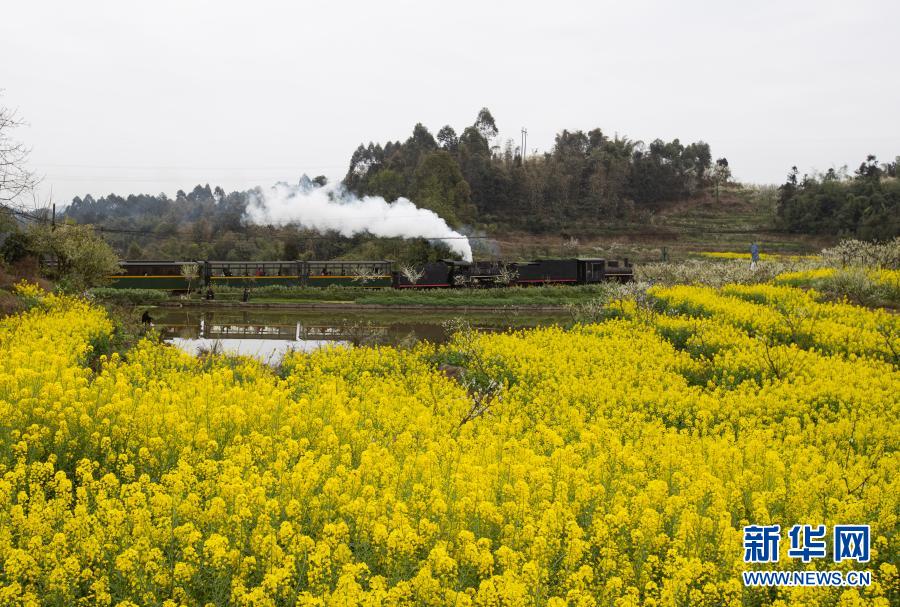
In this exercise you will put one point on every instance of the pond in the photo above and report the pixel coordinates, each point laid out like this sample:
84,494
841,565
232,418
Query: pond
269,334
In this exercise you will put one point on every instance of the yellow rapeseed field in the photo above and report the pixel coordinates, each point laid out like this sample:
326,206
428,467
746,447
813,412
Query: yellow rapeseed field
613,464
762,256
801,278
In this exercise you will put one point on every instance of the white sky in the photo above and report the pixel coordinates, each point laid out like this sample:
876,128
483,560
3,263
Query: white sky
155,96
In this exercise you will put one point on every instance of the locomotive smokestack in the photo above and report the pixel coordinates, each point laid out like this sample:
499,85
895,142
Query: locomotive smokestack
333,208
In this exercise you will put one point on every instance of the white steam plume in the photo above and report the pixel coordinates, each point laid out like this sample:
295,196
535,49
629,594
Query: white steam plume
331,207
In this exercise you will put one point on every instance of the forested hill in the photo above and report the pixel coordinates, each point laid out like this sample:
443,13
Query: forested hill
472,180
866,205
587,184
588,177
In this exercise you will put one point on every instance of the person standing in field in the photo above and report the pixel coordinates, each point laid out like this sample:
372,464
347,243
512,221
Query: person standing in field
754,255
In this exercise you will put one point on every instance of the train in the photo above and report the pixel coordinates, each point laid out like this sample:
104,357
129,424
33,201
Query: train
447,273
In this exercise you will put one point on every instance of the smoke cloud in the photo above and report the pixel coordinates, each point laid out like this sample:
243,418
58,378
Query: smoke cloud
332,208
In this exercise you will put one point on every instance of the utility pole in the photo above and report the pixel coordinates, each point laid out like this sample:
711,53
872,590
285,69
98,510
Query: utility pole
53,219
524,144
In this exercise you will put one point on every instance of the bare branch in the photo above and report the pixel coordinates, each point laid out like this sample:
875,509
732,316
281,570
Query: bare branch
15,179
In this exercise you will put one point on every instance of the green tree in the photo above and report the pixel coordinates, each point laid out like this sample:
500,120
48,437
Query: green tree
721,174
448,139
83,259
388,184
439,185
485,124
866,206
16,246
869,169
291,248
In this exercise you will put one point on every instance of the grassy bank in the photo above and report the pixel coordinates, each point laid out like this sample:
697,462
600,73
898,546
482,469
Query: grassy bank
677,231
862,272
513,296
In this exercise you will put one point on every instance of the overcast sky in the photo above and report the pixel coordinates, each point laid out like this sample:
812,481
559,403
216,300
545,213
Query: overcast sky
155,96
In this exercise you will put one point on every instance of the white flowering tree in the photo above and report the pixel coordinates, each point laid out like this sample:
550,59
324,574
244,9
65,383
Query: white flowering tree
412,273
191,272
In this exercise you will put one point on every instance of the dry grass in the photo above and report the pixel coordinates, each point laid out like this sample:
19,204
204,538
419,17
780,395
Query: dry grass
24,269
9,304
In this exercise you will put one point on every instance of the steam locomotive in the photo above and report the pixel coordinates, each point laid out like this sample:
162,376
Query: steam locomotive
185,275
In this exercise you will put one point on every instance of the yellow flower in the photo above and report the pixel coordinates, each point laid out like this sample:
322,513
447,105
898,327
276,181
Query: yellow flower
607,464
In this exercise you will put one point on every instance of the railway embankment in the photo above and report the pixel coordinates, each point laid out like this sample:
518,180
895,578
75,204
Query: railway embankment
348,305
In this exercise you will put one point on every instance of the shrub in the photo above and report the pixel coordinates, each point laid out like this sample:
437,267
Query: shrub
864,253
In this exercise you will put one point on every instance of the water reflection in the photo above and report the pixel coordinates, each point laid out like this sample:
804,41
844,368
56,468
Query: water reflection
268,334
269,351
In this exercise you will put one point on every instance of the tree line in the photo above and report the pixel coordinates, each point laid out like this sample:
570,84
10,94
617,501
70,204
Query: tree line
207,223
865,205
587,177
474,180
467,178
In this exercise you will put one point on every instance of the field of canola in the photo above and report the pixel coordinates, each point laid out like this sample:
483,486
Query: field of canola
615,464
811,278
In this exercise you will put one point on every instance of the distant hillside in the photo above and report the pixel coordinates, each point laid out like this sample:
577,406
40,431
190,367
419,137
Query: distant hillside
741,215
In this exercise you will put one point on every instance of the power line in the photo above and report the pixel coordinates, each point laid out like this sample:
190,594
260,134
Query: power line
80,179
181,167
22,214
152,234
